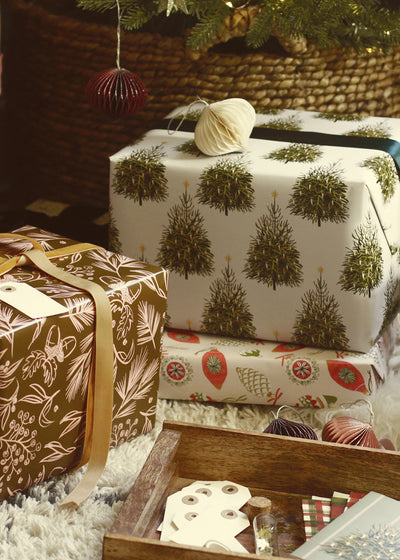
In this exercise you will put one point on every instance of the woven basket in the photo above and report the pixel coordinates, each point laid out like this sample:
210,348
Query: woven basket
60,146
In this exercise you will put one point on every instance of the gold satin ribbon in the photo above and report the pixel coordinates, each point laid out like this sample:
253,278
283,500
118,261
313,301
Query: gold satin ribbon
100,390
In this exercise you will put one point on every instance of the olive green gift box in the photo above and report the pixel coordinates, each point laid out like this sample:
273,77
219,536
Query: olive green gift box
45,362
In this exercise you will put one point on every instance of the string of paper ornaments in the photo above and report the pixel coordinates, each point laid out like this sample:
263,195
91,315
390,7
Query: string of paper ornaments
339,429
117,92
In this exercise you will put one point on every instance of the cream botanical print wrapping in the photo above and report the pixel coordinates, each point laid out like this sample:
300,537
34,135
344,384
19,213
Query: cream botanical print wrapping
45,363
286,241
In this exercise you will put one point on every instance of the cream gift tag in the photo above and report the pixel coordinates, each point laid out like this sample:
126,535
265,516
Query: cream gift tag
29,300
214,525
234,494
185,503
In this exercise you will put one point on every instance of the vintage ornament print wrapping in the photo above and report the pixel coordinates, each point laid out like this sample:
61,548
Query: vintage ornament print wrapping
285,241
45,363
203,367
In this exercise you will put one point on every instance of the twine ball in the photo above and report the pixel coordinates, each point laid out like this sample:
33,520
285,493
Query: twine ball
224,126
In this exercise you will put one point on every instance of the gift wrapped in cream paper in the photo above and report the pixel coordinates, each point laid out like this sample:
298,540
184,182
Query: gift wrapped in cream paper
294,239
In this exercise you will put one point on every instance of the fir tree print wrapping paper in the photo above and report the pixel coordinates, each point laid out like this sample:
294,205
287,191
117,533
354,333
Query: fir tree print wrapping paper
45,362
203,367
287,241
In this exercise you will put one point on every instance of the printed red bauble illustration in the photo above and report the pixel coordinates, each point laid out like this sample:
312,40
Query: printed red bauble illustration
215,367
346,375
117,92
287,347
183,336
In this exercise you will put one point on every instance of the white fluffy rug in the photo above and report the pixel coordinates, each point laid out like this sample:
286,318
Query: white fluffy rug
32,527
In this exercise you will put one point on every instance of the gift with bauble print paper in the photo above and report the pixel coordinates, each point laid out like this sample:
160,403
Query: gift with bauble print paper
294,238
202,367
80,331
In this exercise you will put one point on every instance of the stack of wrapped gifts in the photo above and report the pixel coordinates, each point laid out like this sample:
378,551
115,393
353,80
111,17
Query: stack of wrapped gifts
283,256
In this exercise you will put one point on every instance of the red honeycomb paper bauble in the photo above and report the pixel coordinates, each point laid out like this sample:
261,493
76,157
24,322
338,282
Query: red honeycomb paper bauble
117,92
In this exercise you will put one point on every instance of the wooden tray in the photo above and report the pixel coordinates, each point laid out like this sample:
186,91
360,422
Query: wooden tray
284,469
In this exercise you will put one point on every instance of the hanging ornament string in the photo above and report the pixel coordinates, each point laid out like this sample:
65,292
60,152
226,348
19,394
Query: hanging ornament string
117,92
223,127
119,15
184,115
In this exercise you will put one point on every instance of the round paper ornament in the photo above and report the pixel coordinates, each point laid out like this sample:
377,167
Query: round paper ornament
224,126
283,427
350,431
117,92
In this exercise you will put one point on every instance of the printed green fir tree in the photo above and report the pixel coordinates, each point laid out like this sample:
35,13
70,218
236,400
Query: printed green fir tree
319,322
189,148
272,256
392,300
114,241
385,173
363,264
292,122
296,152
339,117
320,196
379,130
141,176
226,312
227,185
184,246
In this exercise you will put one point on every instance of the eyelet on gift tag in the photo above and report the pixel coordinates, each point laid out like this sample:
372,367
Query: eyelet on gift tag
30,301
230,489
215,545
205,491
191,515
190,500
229,514
7,288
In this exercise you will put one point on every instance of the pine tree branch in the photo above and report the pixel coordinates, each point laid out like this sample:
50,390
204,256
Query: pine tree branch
208,27
358,25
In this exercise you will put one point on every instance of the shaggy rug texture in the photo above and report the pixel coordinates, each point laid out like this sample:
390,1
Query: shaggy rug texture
33,527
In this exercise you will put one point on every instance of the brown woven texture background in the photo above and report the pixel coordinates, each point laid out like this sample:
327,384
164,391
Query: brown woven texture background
59,146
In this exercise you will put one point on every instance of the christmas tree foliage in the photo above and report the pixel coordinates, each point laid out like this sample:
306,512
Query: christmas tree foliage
184,246
287,123
363,264
226,312
339,117
297,152
227,186
272,256
189,148
320,196
141,176
385,172
381,543
376,131
360,24
319,322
